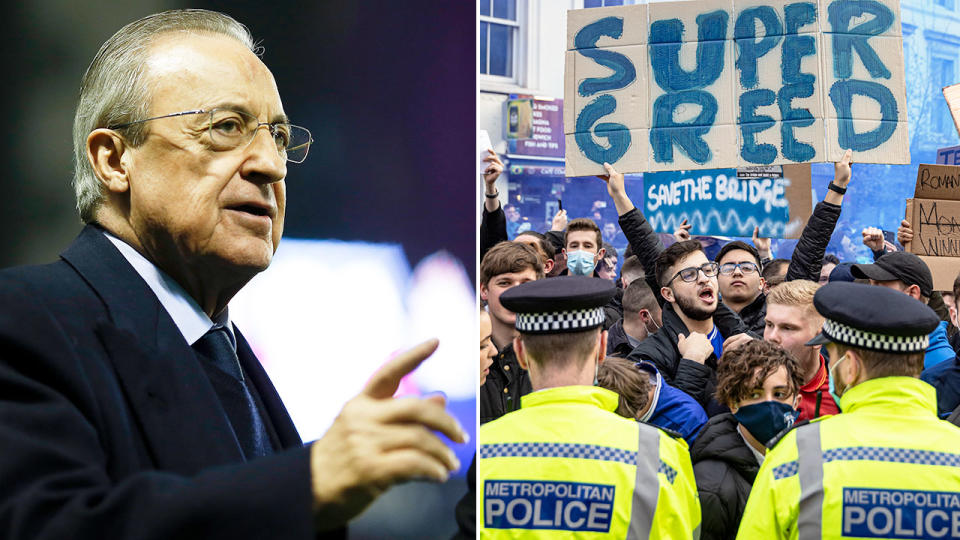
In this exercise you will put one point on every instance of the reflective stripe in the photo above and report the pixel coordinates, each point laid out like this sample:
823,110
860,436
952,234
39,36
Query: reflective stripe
893,455
558,450
785,470
647,486
875,453
810,469
667,471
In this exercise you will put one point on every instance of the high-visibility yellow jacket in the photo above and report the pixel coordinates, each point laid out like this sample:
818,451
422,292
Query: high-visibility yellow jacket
565,465
885,468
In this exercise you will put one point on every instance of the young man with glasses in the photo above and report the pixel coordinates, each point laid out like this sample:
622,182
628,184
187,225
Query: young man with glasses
131,405
687,347
741,285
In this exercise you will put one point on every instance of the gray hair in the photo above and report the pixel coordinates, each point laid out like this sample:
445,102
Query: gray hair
115,91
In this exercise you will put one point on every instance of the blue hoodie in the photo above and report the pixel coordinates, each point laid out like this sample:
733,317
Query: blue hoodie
673,408
939,348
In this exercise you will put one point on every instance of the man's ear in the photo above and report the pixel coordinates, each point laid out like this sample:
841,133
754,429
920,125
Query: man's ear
667,294
602,355
600,254
763,285
105,152
853,368
645,316
521,353
548,266
564,251
914,291
484,292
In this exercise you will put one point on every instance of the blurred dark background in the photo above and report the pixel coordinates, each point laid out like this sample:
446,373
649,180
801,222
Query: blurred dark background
388,91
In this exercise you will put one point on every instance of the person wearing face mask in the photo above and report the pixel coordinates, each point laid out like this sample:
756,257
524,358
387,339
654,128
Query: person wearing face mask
760,383
583,247
566,464
641,317
886,467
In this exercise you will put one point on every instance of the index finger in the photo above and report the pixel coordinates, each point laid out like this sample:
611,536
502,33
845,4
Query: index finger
385,381
425,412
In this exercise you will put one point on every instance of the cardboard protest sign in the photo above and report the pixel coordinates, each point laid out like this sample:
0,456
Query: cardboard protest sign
716,202
938,182
936,227
730,83
944,270
934,217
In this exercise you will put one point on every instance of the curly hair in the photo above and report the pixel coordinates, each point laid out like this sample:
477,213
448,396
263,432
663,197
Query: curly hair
746,367
623,377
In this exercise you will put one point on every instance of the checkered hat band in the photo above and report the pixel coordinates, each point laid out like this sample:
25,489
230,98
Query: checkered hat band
862,339
560,321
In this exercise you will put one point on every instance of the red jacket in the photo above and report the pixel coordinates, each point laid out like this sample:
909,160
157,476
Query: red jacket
815,397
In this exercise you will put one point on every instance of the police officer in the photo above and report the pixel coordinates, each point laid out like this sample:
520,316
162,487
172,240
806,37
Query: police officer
885,468
565,464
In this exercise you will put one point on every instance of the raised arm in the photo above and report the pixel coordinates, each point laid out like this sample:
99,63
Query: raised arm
807,259
493,223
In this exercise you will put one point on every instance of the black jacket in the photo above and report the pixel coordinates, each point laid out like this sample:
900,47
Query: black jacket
754,315
698,380
110,427
807,259
493,229
505,383
724,468
617,342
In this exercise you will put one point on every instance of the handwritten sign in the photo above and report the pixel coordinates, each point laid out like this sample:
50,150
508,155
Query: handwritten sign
718,203
936,227
713,84
938,182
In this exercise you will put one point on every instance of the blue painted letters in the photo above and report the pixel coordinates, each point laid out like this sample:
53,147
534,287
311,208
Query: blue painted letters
623,74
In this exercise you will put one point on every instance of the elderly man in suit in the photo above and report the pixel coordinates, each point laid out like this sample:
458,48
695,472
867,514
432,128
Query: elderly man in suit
130,407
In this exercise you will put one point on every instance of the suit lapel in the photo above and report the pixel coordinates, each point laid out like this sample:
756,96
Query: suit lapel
176,407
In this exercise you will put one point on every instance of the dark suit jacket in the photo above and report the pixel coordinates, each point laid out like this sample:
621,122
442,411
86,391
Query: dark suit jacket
109,426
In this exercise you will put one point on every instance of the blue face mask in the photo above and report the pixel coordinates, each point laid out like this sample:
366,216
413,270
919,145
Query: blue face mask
767,419
580,263
833,389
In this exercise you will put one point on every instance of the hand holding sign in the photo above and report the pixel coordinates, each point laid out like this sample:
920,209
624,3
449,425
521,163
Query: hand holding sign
904,233
841,170
616,189
377,441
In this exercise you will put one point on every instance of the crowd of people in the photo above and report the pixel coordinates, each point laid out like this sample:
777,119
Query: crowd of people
754,371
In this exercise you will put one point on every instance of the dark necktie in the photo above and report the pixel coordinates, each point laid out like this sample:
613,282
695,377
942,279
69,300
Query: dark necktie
218,349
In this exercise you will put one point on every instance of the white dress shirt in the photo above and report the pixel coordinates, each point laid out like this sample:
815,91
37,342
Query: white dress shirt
192,322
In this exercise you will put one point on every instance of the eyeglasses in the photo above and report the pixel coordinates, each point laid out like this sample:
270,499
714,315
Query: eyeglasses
745,267
689,274
230,129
